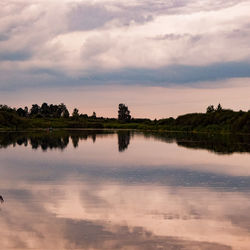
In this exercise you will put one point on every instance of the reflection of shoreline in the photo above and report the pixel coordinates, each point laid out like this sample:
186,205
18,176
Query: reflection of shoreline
61,139
220,144
217,143
51,140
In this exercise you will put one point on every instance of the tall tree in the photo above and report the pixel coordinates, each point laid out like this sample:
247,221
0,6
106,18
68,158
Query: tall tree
26,111
123,113
62,110
210,109
35,109
21,112
45,110
219,107
65,113
75,113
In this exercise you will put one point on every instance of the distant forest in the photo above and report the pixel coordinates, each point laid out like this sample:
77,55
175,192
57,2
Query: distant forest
51,116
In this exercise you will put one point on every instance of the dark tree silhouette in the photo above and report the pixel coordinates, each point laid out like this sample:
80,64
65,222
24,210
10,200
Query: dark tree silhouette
219,107
54,111
210,109
75,113
21,112
123,113
65,114
35,109
45,109
62,110
26,111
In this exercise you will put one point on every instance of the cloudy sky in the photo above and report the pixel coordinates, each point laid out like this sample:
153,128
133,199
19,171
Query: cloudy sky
160,57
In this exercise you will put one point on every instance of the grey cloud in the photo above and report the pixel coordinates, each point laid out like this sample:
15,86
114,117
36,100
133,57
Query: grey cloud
177,74
84,16
241,32
174,75
4,37
90,16
35,37
15,55
23,33
179,6
171,36
21,22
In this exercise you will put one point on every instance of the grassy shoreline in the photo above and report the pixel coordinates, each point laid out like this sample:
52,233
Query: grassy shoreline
222,121
153,130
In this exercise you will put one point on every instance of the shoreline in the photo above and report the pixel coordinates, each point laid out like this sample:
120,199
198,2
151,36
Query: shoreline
121,129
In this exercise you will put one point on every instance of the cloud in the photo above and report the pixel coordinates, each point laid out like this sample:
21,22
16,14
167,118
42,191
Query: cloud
211,76
148,42
86,16
176,74
15,56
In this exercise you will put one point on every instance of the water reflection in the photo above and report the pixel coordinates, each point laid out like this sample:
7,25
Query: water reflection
49,140
220,144
159,194
90,215
123,140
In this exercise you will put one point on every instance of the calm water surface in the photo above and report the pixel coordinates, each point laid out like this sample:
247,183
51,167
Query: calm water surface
124,190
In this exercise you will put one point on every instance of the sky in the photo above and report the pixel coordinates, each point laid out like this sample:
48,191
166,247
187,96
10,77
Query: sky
160,57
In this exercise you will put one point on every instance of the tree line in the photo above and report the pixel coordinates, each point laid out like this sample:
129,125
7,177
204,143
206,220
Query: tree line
44,111
214,119
37,111
57,111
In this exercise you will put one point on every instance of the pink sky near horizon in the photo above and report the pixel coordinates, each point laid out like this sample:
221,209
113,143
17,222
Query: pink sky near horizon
143,101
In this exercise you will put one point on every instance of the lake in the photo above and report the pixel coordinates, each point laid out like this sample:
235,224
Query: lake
93,189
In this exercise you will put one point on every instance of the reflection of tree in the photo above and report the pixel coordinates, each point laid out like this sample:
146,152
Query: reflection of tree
123,140
94,138
75,140
218,143
45,141
49,141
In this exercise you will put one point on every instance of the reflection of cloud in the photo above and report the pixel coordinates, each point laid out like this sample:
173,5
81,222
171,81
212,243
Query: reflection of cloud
195,214
137,217
93,197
